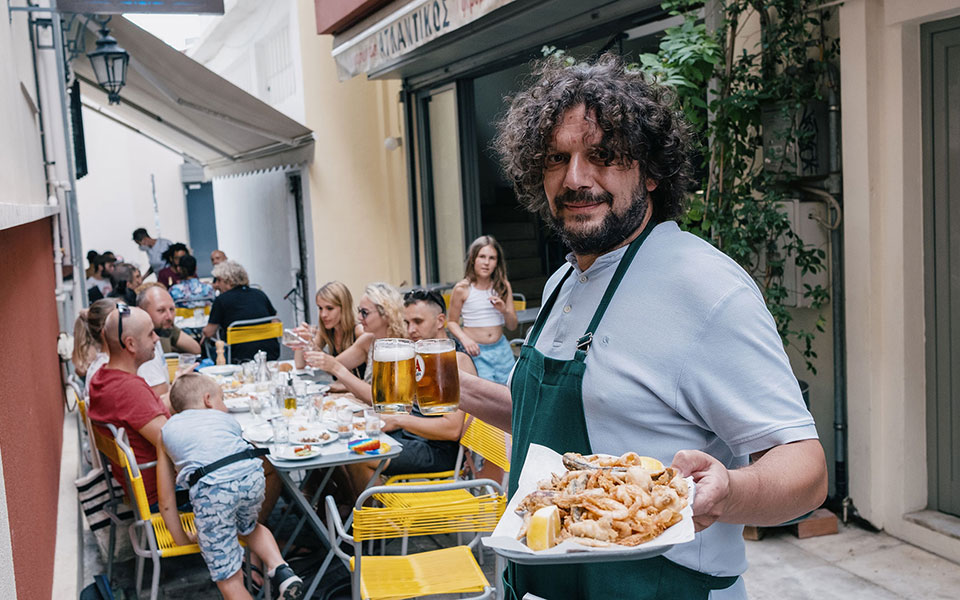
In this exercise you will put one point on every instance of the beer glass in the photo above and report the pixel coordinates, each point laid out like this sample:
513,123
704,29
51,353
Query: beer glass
438,378
394,384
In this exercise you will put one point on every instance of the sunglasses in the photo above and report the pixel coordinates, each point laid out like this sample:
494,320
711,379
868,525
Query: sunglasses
421,295
123,309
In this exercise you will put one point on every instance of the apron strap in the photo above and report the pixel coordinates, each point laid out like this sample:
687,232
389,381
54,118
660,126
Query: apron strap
545,310
583,344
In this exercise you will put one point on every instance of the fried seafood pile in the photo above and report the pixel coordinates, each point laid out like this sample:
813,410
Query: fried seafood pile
604,500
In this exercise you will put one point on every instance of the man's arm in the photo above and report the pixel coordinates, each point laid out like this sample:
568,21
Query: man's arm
486,400
151,430
445,428
782,483
185,343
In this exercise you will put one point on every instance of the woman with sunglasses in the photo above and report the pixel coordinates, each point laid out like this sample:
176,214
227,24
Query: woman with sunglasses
381,314
338,328
485,301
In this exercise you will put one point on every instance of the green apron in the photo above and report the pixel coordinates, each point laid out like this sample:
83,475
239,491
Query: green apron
548,410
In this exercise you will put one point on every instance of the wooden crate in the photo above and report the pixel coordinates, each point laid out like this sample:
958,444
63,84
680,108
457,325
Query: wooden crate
820,522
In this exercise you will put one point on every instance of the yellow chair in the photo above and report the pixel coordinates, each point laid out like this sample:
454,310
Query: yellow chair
446,571
519,301
186,313
148,533
253,330
479,438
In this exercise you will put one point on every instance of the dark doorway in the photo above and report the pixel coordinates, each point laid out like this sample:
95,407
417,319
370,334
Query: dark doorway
941,124
202,224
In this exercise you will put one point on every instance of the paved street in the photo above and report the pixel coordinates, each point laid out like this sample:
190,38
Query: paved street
854,564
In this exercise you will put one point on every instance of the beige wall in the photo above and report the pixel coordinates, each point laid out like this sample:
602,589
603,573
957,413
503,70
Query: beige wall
882,163
357,188
21,160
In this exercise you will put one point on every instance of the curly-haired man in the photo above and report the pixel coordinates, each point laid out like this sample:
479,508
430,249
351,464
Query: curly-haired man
650,339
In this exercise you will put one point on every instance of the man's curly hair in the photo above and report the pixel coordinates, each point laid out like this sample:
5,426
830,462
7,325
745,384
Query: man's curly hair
636,117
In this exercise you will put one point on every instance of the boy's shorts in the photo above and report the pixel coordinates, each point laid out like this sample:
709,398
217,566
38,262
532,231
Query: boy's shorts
221,512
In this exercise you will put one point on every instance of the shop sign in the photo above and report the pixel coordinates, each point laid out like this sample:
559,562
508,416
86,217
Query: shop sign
116,7
414,25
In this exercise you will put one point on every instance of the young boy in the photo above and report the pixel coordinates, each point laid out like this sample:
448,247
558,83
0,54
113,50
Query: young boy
225,500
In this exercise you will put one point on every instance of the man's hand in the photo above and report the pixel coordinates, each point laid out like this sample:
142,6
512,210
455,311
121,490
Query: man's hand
713,485
391,423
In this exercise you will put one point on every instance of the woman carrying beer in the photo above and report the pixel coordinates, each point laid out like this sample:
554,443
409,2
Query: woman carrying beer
381,314
485,301
338,327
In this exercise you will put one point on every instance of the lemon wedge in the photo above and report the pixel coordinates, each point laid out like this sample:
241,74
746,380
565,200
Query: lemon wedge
544,528
651,464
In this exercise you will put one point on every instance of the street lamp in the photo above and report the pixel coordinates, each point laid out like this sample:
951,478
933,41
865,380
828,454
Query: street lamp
109,62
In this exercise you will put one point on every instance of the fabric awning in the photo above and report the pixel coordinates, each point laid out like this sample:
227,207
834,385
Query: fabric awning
185,106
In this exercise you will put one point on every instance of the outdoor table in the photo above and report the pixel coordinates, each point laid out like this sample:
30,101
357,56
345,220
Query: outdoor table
332,455
527,315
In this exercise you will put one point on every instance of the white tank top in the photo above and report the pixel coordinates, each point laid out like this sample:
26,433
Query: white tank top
477,310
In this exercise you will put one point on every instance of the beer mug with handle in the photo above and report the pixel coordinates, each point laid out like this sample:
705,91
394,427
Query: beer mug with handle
394,380
438,378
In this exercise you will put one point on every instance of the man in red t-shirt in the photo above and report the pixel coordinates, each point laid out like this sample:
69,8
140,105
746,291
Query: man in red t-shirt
122,398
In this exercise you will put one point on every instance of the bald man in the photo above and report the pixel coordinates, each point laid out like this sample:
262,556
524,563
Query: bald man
158,303
217,257
121,397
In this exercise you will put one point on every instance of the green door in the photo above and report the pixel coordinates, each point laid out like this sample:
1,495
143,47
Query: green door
941,120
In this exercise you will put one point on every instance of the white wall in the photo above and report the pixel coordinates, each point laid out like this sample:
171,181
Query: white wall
115,197
253,228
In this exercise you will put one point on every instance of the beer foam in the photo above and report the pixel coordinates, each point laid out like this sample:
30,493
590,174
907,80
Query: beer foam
393,354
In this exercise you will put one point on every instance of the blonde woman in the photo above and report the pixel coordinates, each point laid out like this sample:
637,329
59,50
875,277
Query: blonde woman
338,328
88,354
381,314
484,299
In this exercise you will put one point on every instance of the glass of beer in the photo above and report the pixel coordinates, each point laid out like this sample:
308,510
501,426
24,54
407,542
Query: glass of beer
438,378
394,379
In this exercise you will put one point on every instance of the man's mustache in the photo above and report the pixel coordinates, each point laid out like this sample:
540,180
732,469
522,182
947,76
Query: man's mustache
579,198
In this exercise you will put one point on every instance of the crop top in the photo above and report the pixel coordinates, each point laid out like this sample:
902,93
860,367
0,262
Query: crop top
477,310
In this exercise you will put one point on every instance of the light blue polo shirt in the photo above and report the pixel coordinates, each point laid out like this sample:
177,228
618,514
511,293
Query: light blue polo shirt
687,356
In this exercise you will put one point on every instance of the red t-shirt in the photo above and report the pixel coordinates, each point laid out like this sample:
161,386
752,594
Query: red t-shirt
125,400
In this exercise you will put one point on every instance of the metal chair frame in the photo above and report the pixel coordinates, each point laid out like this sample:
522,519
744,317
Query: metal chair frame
337,532
248,322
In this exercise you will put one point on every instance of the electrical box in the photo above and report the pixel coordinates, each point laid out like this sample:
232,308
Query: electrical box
807,218
795,141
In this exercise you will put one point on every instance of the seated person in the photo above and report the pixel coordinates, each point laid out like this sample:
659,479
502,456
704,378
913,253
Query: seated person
98,283
159,305
225,501
381,314
153,371
430,444
217,257
125,279
122,398
239,302
190,292
338,328
169,274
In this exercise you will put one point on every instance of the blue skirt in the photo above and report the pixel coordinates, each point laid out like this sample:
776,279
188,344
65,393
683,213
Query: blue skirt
495,360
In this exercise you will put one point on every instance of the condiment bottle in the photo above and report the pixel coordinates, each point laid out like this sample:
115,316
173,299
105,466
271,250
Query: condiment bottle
221,358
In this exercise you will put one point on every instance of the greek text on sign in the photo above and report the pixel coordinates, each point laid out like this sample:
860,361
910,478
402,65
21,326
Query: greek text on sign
413,26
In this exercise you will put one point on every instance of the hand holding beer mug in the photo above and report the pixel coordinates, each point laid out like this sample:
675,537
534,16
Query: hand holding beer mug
394,384
438,377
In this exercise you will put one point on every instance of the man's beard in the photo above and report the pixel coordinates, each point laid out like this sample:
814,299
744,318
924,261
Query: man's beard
163,332
610,233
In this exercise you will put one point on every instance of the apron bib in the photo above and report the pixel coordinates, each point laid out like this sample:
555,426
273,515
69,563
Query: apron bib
548,410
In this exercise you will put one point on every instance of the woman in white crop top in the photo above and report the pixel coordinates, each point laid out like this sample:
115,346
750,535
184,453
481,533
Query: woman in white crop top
484,299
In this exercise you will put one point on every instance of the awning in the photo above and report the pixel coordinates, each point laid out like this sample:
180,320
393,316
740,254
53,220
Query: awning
427,41
192,110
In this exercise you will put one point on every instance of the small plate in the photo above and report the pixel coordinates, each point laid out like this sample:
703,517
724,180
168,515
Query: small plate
222,370
259,434
288,452
237,405
313,437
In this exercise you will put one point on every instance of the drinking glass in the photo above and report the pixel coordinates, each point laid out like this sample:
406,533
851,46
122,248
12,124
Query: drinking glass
281,430
438,377
256,406
371,423
394,375
186,359
345,422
